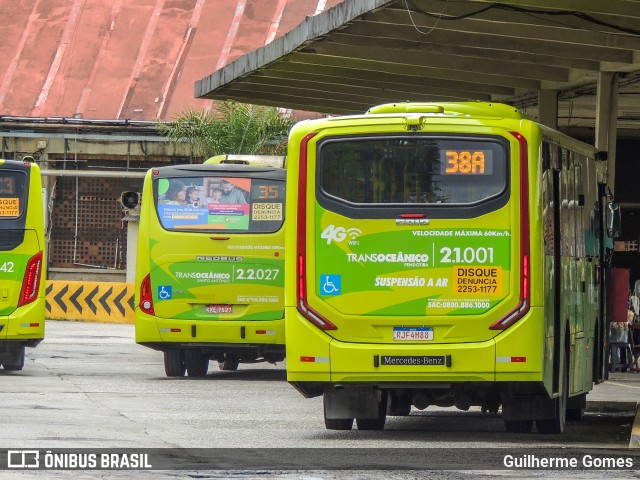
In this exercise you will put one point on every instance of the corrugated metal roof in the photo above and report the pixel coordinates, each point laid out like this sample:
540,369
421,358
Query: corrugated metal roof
128,59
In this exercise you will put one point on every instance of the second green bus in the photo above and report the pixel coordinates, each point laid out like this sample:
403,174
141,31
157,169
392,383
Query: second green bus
210,264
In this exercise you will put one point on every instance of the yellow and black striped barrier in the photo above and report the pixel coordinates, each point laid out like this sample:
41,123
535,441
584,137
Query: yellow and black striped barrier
108,302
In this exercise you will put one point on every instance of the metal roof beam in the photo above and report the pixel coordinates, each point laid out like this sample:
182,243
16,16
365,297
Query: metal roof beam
380,41
319,62
318,90
336,75
495,42
402,59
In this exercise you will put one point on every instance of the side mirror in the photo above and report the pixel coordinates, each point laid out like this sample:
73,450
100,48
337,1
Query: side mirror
614,220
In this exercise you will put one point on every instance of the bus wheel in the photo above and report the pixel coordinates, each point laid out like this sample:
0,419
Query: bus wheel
518,426
575,414
375,423
399,405
16,361
556,424
174,363
229,363
197,364
576,406
338,423
335,423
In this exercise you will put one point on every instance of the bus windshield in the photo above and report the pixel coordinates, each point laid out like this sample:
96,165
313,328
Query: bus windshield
216,204
410,170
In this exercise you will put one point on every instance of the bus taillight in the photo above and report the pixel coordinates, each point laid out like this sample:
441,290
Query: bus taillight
524,303
31,281
525,277
146,300
303,307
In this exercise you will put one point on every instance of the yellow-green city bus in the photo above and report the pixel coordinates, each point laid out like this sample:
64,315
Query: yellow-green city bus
22,261
444,254
210,264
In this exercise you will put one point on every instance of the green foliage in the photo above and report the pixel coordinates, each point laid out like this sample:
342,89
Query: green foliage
237,129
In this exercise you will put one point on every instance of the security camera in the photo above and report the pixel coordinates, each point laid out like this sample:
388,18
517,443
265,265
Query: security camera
130,200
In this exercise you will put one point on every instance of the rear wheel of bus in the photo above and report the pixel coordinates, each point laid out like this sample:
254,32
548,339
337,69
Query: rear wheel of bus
378,422
197,363
557,423
14,359
229,363
174,363
518,426
335,423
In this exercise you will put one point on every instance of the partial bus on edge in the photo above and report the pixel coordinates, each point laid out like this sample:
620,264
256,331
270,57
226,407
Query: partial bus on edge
22,261
210,264
444,255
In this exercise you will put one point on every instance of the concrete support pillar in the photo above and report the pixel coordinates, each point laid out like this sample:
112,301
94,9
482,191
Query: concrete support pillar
607,121
548,108
132,250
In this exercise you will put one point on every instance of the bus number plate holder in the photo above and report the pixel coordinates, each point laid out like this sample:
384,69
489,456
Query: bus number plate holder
413,333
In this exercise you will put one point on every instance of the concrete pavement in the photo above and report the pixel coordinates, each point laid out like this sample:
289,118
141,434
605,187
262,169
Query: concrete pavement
621,393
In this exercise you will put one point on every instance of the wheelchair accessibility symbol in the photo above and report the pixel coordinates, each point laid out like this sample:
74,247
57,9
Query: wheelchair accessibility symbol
330,285
165,292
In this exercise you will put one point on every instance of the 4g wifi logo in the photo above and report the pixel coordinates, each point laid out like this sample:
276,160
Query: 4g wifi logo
339,234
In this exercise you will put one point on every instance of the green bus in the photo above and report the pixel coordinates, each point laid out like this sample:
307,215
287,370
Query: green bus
445,254
210,264
22,261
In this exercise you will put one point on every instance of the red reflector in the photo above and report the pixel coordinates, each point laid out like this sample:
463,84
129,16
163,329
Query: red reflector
412,215
518,359
308,359
261,332
176,330
34,324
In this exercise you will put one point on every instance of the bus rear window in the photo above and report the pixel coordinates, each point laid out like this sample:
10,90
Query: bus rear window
413,170
13,198
220,204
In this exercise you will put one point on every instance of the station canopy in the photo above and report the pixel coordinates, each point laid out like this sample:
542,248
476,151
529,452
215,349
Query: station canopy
362,53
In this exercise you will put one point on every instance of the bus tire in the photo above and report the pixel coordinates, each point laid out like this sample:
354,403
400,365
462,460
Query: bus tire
575,414
174,363
229,363
375,423
557,424
335,423
399,404
576,406
16,361
518,426
197,364
338,423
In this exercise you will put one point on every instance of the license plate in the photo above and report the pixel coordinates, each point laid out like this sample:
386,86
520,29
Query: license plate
218,309
413,333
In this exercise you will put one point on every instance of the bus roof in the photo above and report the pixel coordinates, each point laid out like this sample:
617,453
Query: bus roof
265,160
473,109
